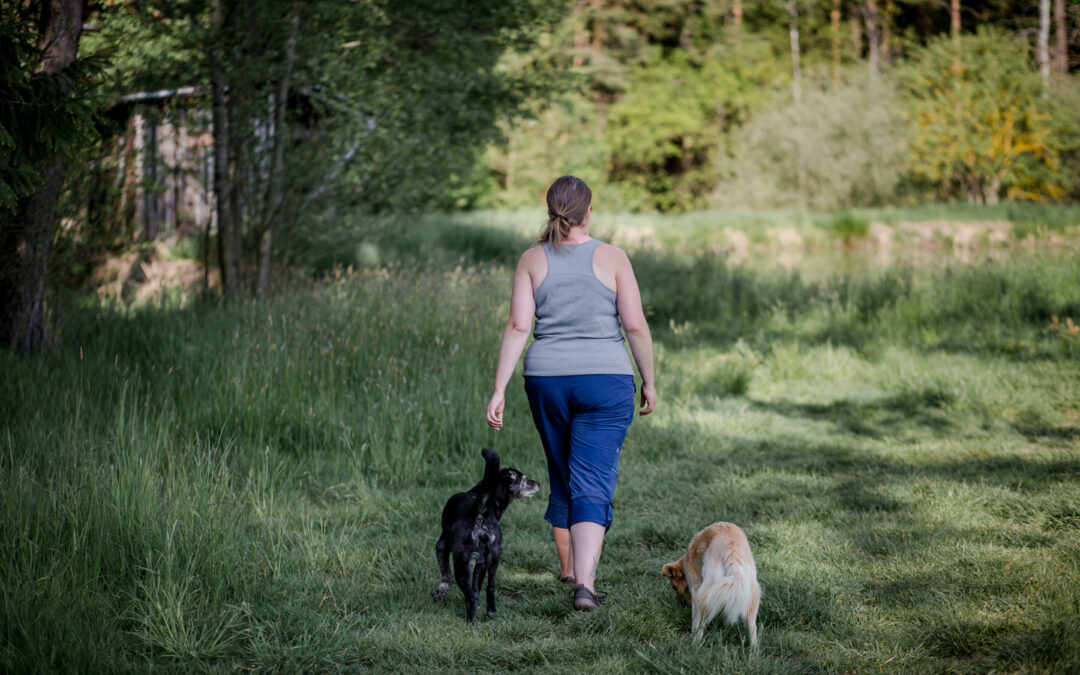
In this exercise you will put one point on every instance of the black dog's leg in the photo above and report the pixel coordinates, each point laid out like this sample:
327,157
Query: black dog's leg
492,566
442,554
461,573
478,578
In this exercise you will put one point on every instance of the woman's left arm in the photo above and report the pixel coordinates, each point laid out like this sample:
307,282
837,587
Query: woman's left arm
515,335
628,303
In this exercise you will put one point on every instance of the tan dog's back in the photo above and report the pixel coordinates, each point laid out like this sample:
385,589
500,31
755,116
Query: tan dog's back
716,574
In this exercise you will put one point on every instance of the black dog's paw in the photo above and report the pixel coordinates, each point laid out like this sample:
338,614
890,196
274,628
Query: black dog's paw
493,612
440,592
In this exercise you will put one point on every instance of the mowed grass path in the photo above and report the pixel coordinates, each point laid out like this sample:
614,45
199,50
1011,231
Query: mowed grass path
191,488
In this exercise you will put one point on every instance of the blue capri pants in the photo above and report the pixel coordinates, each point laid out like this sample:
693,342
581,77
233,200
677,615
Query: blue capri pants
582,420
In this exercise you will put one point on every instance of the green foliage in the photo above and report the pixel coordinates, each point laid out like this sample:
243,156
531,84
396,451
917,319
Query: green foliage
849,226
389,102
841,146
1064,95
669,84
149,46
41,116
667,129
560,139
983,130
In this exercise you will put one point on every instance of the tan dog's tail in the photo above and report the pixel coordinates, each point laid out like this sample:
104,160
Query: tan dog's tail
732,594
736,595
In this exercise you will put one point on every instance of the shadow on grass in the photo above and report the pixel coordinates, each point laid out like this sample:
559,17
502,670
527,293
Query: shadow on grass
875,418
838,460
1039,431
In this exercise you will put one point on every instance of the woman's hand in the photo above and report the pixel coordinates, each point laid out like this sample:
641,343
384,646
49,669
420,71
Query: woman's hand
648,398
495,410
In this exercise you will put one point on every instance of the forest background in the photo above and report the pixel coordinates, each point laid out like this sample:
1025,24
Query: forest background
329,117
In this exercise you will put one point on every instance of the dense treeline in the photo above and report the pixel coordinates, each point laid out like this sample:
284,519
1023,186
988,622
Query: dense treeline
814,103
313,116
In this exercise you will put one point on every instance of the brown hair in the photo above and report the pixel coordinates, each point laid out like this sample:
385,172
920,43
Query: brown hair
568,201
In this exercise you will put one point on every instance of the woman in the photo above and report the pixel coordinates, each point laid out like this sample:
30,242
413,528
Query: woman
578,375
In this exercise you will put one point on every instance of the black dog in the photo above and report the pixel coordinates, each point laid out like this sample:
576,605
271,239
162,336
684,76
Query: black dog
471,532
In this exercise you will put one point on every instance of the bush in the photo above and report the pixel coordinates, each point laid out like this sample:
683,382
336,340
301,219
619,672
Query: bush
848,139
849,226
983,129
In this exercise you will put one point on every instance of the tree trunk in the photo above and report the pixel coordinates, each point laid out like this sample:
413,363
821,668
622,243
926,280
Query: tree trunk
1042,46
238,187
130,184
954,18
1061,39
61,28
736,13
856,37
793,33
62,23
873,35
993,190
223,186
150,175
272,202
834,34
796,92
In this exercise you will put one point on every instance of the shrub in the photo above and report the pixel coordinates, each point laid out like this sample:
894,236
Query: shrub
983,129
847,140
849,226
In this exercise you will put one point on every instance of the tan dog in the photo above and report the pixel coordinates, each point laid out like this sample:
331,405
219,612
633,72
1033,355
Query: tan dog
718,574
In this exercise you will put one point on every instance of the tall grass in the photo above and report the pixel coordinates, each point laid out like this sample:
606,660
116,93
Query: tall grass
258,487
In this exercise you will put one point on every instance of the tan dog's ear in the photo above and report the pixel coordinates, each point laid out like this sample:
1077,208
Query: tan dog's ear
673,570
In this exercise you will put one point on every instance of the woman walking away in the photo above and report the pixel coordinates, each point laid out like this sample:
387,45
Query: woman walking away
578,376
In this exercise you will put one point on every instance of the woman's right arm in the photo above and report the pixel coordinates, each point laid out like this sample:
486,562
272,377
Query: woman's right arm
628,302
515,335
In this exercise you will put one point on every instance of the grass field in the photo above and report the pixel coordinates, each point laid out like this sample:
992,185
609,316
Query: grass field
191,488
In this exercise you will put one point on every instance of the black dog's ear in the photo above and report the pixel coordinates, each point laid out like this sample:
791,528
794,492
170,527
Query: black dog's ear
491,470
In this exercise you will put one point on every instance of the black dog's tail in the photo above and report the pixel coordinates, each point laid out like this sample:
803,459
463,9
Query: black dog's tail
491,473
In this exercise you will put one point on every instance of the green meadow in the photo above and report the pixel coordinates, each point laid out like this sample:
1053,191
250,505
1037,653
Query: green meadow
192,488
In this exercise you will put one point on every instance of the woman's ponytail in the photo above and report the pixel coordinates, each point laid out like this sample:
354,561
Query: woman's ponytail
568,201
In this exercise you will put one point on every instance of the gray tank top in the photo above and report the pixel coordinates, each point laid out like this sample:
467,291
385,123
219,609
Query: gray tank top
577,329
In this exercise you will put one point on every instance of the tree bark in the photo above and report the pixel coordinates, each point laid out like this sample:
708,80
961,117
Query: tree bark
1061,39
223,186
954,18
834,34
62,23
1042,46
272,202
60,27
796,92
856,37
239,143
793,34
873,35
151,215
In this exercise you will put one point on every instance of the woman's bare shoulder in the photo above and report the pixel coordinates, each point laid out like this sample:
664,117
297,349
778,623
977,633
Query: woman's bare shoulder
533,260
611,253
533,254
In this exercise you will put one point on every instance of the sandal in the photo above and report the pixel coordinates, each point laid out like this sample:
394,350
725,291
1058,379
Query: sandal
585,599
567,579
